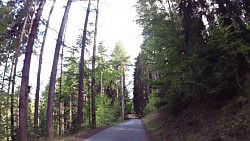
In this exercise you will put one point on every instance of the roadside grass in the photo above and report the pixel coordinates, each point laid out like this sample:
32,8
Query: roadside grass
154,127
77,136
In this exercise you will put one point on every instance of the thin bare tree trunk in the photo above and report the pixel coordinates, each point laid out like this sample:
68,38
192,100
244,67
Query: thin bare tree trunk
89,106
60,97
24,90
7,109
93,70
71,112
122,87
32,17
39,71
102,86
51,94
66,117
12,104
81,71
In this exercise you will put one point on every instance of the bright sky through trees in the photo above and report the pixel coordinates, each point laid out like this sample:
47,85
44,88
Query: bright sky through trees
116,22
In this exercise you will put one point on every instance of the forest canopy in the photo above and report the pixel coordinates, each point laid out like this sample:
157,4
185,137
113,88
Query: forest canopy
193,52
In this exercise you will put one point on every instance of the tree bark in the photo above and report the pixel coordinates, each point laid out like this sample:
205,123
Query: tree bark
93,70
50,130
89,104
67,117
7,109
60,98
39,72
102,86
32,17
122,88
81,71
12,105
17,52
24,90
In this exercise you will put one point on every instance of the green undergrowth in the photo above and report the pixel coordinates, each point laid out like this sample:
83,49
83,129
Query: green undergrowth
83,134
154,126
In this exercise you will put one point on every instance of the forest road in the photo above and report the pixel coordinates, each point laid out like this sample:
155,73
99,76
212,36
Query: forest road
132,130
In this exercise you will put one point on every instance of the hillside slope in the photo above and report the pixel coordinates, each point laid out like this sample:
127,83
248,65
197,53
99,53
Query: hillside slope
229,121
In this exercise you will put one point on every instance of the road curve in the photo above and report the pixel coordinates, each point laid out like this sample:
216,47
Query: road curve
132,130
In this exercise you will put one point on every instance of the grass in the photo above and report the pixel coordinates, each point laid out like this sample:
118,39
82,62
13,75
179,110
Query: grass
78,136
154,127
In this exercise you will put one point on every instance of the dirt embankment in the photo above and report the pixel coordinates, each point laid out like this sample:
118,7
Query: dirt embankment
230,122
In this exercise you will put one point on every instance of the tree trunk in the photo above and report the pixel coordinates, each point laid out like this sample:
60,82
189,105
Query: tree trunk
81,71
39,72
71,112
93,70
7,109
122,88
89,106
32,17
102,86
60,98
24,90
50,131
17,52
67,114
12,104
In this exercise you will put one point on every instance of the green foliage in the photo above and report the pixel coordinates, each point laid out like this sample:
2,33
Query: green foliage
191,138
120,59
128,105
150,108
192,56
4,18
104,113
237,126
240,101
108,108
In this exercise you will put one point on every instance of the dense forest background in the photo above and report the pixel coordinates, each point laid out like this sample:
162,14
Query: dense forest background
194,59
193,50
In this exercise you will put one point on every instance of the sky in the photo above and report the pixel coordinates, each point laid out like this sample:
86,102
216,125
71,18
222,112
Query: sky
116,22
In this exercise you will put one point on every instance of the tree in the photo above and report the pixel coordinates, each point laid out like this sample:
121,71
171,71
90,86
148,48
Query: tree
81,71
39,70
93,70
105,112
120,60
8,91
60,108
184,56
50,132
24,90
141,89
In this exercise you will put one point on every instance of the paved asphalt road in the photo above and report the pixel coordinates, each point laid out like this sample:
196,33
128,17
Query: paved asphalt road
132,130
